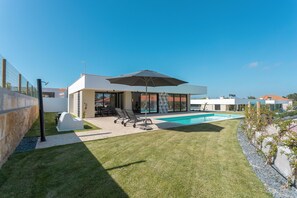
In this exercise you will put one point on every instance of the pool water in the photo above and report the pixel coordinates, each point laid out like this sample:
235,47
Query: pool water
196,119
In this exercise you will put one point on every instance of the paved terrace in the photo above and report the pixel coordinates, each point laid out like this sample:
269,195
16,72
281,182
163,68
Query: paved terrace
109,129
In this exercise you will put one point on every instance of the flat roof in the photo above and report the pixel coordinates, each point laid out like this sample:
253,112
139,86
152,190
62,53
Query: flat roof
99,83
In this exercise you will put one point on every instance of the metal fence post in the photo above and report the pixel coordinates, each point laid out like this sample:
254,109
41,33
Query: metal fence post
41,116
20,83
4,73
27,88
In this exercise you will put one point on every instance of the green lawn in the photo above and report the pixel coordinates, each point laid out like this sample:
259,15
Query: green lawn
50,126
195,161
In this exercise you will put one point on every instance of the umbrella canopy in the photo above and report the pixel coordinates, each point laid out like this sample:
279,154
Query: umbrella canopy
146,78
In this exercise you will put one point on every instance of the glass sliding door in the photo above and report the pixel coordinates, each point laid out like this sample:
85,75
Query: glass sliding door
153,103
107,101
170,102
99,99
144,103
140,101
177,102
183,102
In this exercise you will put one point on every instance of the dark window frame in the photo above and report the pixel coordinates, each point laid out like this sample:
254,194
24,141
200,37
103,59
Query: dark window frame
180,102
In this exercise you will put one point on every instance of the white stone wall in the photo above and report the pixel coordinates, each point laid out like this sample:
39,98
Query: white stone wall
163,103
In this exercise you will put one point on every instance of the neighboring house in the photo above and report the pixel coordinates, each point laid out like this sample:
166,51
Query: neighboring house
90,93
54,92
222,104
277,102
239,104
54,99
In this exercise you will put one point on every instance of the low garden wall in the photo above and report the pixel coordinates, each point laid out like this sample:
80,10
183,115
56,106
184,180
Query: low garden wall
17,114
280,160
275,137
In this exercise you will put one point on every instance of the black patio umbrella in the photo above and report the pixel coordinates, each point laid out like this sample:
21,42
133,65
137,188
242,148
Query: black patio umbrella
146,78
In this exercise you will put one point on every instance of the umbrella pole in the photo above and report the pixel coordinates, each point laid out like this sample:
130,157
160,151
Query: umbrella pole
145,120
145,123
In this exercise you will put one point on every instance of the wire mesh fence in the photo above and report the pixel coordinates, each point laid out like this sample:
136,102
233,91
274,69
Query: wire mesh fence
13,80
1,58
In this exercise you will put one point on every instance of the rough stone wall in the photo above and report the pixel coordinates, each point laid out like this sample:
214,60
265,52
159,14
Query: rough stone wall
163,103
13,126
17,114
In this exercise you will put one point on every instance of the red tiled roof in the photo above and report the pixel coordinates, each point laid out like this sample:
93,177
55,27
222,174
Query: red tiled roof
273,97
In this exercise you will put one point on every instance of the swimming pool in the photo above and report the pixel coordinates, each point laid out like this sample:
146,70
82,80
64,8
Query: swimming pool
202,118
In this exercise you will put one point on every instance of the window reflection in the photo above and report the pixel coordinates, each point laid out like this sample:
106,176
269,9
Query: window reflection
177,102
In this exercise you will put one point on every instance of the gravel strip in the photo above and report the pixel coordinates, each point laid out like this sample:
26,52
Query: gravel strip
273,181
27,144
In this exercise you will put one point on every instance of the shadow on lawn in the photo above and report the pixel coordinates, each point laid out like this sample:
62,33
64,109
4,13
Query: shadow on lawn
64,171
125,165
204,127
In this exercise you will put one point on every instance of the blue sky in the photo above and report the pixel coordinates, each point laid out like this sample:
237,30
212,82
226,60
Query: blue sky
241,47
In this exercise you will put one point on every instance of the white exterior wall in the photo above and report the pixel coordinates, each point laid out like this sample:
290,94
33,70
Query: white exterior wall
59,92
55,104
94,82
75,105
224,108
189,102
70,103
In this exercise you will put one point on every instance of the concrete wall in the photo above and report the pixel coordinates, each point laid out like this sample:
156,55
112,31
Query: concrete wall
88,103
127,100
55,104
17,114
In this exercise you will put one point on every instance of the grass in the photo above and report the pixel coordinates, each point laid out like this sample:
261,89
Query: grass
50,126
202,160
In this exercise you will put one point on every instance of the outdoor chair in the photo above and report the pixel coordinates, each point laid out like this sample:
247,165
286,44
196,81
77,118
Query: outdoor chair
134,119
121,115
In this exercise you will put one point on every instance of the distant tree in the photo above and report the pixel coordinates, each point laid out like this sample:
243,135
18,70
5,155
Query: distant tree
292,96
251,97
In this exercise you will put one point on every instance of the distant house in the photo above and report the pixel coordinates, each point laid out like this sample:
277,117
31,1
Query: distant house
54,99
277,102
239,104
54,92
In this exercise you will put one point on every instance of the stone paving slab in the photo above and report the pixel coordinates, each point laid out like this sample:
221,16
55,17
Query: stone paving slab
108,129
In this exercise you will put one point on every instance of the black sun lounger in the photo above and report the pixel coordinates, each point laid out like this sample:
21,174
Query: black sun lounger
134,119
121,115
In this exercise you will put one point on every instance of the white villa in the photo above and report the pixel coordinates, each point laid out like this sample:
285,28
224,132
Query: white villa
92,93
239,104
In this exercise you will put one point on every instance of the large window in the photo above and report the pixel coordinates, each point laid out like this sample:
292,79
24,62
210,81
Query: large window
217,107
151,100
140,101
170,102
105,100
183,102
153,104
177,102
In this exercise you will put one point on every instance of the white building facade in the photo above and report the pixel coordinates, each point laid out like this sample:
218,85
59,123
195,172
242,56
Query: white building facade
92,94
236,104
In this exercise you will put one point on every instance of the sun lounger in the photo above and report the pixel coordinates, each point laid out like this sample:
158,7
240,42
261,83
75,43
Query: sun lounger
134,119
121,115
